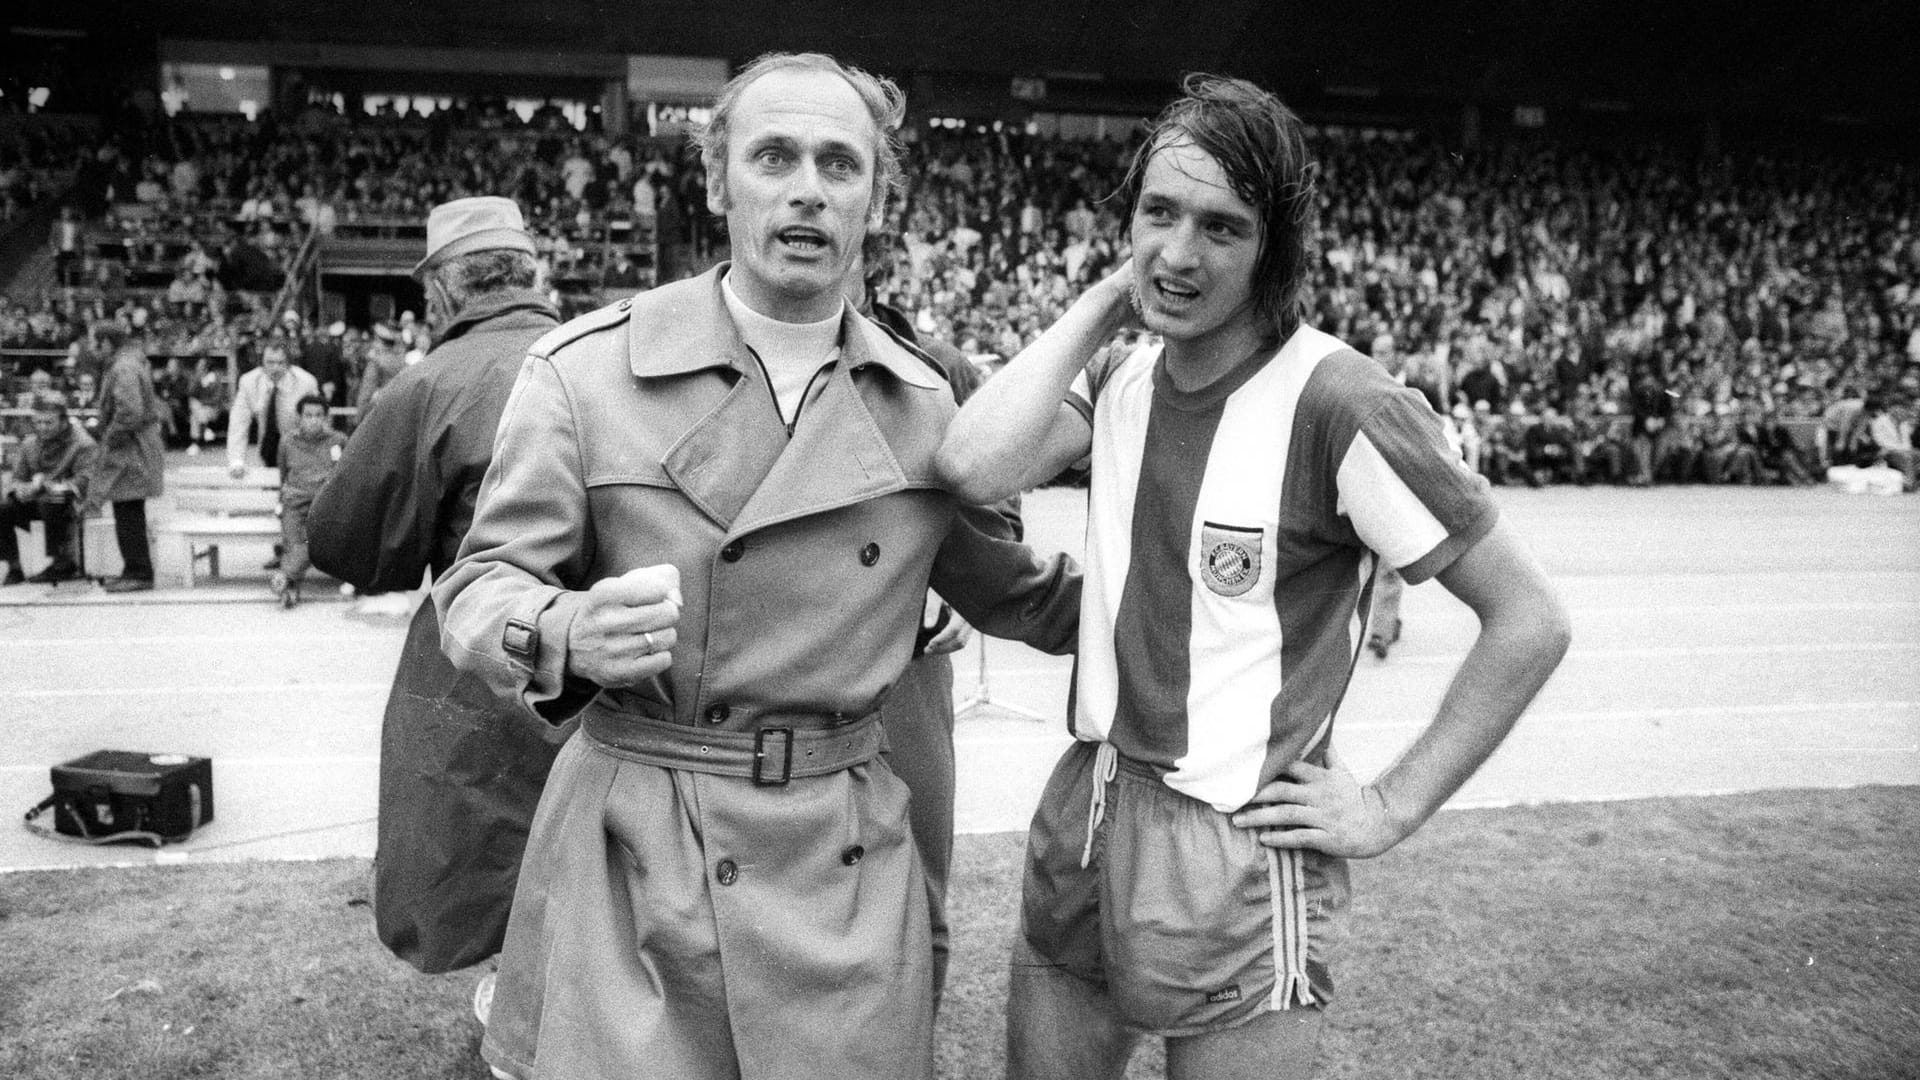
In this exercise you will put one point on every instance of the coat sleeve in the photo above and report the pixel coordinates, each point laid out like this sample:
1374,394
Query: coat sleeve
1003,586
507,604
372,523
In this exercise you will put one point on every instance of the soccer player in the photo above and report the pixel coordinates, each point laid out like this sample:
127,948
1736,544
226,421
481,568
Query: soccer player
1186,872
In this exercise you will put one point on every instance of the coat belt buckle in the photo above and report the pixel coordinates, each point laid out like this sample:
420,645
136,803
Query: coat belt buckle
767,743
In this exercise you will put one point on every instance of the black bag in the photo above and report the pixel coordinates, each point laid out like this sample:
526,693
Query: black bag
114,796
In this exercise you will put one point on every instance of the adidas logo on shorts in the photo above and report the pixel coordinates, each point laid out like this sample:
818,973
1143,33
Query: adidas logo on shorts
1231,993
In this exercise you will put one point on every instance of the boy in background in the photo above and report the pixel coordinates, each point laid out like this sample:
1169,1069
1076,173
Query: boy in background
307,458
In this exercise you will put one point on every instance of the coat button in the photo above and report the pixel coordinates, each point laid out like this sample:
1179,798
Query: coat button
870,554
852,855
718,713
733,551
726,873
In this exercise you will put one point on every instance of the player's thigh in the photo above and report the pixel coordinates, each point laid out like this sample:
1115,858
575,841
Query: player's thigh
1276,1045
1060,1026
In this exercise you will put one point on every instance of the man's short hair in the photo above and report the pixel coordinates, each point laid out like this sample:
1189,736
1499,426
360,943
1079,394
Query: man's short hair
309,399
481,273
886,106
1261,145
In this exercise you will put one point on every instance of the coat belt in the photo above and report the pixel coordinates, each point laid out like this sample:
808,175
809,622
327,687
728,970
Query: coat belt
769,756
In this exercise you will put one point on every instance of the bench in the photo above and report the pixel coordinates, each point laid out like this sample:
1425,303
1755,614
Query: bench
213,507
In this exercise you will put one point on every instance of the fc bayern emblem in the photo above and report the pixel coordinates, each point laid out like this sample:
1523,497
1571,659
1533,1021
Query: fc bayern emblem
1229,558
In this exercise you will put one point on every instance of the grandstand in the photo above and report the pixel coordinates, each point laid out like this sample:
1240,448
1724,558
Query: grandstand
1542,211
1624,243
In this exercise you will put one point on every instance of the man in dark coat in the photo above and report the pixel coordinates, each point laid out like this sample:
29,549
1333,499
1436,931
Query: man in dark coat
49,476
460,773
132,462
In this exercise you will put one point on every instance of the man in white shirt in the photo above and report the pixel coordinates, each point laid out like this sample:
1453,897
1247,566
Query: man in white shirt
271,394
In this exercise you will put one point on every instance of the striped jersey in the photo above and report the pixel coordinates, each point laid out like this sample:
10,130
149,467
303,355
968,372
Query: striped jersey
1232,536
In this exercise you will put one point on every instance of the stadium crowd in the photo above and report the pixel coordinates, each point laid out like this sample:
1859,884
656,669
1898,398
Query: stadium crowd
1579,314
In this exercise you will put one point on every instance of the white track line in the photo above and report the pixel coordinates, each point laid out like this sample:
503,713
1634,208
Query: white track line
1597,716
270,689
209,639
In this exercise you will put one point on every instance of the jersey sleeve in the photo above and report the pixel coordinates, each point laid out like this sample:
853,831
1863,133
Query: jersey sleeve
1408,494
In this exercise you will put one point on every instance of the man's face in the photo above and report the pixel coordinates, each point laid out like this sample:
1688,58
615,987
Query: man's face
274,363
313,420
46,424
797,191
1195,243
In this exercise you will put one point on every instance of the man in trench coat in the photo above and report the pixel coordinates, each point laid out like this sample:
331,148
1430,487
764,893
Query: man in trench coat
131,466
707,533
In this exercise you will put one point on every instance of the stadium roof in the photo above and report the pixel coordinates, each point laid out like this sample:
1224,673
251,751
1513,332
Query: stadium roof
1858,60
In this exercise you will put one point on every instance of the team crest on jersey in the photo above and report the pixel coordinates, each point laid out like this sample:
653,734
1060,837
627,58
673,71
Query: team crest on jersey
1229,558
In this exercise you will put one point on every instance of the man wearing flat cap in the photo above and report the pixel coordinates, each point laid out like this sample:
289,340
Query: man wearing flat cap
460,772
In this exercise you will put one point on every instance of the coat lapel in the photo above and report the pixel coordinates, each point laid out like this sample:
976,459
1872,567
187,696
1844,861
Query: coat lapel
837,457
722,459
736,463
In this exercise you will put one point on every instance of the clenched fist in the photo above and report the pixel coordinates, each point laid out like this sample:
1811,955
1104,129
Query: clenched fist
624,632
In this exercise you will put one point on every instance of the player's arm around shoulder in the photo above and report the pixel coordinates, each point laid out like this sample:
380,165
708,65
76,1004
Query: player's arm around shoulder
1019,429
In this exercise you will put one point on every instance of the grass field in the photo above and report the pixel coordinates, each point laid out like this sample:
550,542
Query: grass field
1771,936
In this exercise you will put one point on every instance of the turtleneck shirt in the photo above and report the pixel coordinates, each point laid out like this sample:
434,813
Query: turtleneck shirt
791,355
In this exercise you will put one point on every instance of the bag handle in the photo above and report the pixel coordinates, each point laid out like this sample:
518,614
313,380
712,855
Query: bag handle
34,825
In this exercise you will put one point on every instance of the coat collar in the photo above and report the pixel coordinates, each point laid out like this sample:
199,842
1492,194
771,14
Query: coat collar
684,329
492,307
737,462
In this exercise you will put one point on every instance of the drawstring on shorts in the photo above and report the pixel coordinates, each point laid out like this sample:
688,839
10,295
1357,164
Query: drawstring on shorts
1106,761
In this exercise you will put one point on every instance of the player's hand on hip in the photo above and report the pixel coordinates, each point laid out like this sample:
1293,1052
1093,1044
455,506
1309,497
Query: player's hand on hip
951,638
1323,808
624,632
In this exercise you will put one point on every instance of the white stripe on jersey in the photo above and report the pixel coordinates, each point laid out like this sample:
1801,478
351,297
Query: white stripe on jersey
1386,513
1112,486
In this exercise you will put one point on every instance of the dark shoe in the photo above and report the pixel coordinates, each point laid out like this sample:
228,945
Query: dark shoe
14,576
55,573
128,584
290,597
271,564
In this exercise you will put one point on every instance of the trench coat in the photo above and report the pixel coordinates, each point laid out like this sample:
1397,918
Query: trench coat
132,460
672,921
460,772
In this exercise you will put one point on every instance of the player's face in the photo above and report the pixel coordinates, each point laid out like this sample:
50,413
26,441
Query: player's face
313,420
47,424
797,191
1195,244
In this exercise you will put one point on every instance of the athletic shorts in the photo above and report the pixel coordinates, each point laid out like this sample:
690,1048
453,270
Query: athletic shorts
1187,923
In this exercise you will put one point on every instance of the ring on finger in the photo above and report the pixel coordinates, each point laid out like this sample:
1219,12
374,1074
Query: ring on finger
648,634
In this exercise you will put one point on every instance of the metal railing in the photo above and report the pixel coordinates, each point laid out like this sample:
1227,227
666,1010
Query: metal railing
297,274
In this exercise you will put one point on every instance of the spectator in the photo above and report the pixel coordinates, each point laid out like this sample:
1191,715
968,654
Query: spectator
325,360
395,512
268,398
386,358
129,469
1890,426
49,479
308,456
